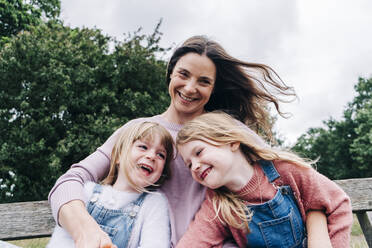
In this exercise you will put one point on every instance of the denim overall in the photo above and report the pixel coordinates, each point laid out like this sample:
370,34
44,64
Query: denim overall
117,223
278,222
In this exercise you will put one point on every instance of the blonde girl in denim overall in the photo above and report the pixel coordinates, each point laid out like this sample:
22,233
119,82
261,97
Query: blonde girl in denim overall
223,156
126,205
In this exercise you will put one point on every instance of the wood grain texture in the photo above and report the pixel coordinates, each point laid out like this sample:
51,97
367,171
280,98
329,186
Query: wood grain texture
360,192
25,220
34,219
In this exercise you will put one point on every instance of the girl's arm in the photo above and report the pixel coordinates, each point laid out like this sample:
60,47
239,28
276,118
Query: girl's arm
205,230
318,192
82,227
155,230
317,230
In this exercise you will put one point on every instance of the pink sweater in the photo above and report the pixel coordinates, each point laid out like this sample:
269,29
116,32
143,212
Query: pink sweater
313,191
183,193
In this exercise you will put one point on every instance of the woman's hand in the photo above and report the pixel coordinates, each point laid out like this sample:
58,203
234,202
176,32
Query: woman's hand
317,230
85,231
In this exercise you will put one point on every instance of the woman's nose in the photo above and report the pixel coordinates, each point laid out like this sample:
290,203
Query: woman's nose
190,86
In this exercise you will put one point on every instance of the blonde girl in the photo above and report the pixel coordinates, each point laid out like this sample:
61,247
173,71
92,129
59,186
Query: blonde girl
257,194
124,205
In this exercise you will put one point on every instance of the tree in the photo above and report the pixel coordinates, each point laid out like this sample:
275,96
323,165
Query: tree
20,15
361,148
62,93
344,148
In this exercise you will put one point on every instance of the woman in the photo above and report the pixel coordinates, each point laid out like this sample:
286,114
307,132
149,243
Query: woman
201,77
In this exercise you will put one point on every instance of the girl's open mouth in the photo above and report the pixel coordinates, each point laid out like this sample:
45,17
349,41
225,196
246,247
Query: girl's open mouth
146,168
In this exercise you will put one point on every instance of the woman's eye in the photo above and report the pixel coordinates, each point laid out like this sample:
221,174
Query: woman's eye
183,74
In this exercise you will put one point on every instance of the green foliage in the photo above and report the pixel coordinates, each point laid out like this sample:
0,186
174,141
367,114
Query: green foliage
63,91
344,147
21,15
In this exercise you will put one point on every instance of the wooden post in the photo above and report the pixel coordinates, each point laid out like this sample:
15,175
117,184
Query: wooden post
365,224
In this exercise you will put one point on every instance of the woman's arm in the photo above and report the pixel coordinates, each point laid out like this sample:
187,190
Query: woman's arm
317,230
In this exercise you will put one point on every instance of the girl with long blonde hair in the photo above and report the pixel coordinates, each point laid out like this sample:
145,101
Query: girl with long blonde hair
257,194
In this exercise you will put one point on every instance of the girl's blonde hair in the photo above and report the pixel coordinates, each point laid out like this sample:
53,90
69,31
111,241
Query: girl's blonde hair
121,152
217,128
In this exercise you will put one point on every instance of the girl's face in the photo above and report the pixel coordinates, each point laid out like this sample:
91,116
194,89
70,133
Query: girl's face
191,84
210,165
148,157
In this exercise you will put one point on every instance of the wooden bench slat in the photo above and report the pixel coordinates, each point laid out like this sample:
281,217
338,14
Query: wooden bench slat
25,220
34,219
359,191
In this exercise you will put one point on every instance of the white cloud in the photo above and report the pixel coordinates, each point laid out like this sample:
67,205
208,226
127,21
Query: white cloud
319,47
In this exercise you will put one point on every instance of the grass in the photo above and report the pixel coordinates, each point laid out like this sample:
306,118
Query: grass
31,243
357,239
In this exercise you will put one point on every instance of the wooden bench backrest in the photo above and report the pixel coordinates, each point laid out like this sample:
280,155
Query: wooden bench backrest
34,219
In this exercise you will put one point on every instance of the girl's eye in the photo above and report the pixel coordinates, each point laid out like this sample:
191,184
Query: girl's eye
161,155
143,147
198,152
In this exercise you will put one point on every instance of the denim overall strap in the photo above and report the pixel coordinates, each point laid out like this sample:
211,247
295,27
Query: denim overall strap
94,197
97,189
269,170
140,199
117,223
277,222
136,206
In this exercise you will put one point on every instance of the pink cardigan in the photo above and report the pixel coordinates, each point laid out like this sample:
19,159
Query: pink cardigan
313,191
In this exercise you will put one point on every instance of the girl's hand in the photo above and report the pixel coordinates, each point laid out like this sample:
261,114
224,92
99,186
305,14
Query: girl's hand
85,231
317,230
94,238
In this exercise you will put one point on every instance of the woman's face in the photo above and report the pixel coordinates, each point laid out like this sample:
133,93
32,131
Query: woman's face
191,84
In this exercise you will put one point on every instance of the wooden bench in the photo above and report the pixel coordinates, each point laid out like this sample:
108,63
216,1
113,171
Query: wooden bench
25,220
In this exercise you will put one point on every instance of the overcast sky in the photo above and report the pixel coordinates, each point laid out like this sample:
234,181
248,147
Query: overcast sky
320,47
